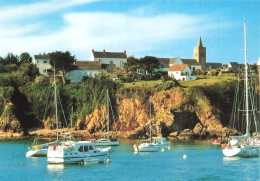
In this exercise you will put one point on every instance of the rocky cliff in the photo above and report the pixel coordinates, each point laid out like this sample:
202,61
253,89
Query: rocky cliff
178,113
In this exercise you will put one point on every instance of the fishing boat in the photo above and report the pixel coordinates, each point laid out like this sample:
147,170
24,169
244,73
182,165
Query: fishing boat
243,146
76,152
106,141
147,145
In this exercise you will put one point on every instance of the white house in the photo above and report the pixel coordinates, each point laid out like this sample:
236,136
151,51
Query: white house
43,63
84,69
181,72
109,58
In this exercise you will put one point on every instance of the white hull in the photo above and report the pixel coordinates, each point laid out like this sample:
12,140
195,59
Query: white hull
243,151
37,153
147,147
106,143
84,159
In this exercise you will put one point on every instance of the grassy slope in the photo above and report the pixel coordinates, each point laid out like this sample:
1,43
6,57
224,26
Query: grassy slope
201,81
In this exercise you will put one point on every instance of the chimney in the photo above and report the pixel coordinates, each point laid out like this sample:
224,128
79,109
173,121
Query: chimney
124,52
92,50
104,51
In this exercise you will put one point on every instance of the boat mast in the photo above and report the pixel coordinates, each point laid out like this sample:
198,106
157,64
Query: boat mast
55,102
107,115
247,116
150,120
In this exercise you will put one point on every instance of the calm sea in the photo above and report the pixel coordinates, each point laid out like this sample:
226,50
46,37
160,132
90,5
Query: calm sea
203,162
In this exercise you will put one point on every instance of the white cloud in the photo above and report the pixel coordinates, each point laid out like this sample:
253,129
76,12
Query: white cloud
101,30
15,13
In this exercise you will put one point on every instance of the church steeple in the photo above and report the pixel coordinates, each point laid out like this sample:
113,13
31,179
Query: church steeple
200,54
200,43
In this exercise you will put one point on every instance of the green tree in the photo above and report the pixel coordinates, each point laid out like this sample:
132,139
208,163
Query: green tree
132,64
29,69
11,59
149,63
63,62
25,58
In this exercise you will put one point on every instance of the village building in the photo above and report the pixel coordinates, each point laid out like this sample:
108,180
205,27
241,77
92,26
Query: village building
42,61
181,72
235,67
110,61
214,66
84,69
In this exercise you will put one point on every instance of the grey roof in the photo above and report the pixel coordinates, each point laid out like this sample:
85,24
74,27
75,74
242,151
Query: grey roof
47,57
214,65
190,61
173,60
109,54
164,60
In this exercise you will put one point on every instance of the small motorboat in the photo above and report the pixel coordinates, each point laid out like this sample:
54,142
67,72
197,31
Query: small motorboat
216,142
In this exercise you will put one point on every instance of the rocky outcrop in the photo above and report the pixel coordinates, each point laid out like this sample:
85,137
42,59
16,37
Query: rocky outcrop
179,113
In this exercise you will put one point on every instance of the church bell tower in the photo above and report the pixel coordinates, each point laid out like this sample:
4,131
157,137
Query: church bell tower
200,54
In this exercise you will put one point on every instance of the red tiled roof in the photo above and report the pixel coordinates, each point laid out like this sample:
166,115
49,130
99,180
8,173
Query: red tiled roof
88,65
178,67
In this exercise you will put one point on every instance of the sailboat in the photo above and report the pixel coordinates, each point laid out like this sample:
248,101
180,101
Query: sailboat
40,150
106,141
74,152
148,146
243,146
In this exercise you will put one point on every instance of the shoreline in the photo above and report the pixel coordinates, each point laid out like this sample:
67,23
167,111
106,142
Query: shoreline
82,134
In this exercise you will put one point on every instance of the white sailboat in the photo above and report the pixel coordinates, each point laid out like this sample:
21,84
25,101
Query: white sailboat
106,141
148,146
40,150
242,146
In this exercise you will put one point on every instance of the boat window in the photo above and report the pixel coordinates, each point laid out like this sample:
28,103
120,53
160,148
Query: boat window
90,148
81,148
85,148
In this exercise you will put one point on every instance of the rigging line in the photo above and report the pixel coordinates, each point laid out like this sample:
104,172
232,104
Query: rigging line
46,104
232,118
252,98
113,116
62,110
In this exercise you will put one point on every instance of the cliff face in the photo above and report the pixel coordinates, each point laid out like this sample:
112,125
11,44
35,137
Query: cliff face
180,113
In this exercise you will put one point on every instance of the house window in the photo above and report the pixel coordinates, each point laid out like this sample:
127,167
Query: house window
44,70
45,61
111,62
121,63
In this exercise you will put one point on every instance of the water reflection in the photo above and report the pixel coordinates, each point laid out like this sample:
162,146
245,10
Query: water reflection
55,167
227,160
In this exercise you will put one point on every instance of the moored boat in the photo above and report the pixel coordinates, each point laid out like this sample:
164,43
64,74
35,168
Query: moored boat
161,142
243,146
76,152
216,142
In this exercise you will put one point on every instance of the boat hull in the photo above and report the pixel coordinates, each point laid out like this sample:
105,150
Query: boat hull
147,147
247,151
37,153
108,143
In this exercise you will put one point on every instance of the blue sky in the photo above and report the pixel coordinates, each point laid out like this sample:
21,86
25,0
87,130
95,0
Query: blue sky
161,28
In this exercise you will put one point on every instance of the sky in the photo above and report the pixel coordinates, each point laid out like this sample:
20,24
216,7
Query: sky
160,28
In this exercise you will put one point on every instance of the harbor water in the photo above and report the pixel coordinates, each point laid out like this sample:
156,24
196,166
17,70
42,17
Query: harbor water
186,160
